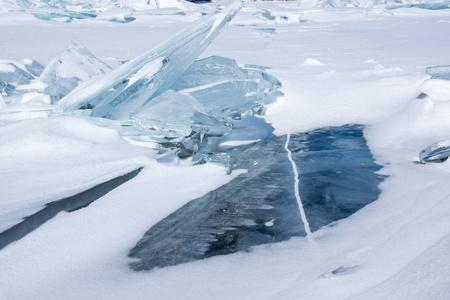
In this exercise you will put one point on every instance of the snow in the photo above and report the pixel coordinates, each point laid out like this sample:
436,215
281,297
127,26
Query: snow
371,71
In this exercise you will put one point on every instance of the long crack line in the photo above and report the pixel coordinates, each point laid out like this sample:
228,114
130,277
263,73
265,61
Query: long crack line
309,234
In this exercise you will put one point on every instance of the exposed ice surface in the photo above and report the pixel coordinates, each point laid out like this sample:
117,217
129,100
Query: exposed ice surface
337,177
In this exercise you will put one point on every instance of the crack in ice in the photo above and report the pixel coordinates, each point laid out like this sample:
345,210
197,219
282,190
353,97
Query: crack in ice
309,234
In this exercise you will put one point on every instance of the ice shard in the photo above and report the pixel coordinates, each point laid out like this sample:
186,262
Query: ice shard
435,153
338,176
75,64
130,86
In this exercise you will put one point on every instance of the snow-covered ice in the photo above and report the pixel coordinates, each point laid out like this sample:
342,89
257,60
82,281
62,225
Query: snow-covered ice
373,58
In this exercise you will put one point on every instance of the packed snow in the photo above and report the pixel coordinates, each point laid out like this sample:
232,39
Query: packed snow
340,62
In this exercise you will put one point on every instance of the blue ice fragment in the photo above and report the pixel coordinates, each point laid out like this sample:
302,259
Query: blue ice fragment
132,85
437,152
6,89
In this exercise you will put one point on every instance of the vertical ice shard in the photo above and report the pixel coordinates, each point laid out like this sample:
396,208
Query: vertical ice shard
130,86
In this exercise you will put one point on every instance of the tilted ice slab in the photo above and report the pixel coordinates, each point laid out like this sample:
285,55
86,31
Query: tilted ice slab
338,176
130,86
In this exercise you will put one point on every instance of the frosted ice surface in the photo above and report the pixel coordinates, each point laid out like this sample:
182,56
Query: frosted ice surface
439,72
337,177
437,152
75,64
150,74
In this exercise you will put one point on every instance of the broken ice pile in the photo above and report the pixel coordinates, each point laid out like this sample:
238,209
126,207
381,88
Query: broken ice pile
29,89
163,99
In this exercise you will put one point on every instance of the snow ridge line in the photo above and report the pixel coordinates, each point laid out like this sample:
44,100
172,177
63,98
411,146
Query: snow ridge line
309,234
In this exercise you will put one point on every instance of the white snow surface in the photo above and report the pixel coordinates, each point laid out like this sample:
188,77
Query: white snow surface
372,69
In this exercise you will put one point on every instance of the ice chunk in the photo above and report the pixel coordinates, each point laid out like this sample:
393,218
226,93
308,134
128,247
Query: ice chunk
150,74
231,98
76,63
337,177
439,72
14,73
209,70
226,89
177,112
435,153
6,88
